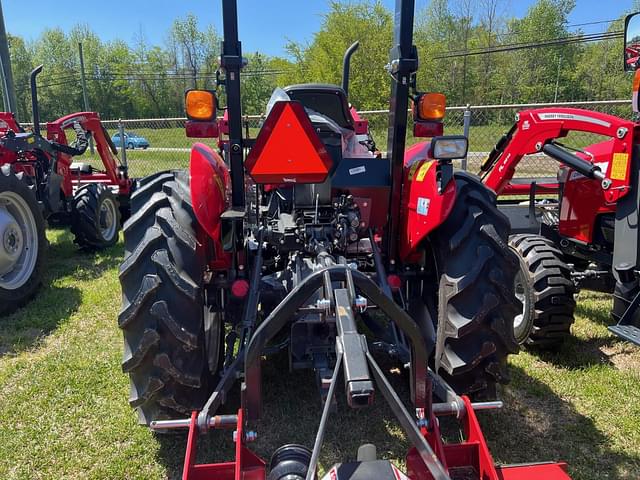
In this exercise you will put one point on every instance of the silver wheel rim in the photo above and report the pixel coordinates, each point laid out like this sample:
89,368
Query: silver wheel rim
107,219
18,241
520,290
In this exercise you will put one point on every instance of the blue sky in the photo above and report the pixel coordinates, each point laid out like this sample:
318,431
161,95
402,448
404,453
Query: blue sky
265,25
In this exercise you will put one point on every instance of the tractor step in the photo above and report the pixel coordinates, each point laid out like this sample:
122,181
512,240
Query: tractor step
629,333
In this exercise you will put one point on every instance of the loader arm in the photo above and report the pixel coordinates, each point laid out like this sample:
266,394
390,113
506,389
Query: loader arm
114,172
535,129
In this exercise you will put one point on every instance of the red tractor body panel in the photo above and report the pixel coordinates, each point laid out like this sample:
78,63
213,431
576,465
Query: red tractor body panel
582,198
209,187
8,122
424,209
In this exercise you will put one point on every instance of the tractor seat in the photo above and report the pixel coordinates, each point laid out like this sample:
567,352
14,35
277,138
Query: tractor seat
81,167
328,100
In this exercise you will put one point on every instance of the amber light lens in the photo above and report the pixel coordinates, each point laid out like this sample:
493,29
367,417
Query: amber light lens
200,105
431,106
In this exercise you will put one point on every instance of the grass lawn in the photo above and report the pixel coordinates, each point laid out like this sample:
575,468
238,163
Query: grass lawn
64,411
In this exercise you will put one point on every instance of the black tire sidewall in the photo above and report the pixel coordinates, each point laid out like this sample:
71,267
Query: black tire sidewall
86,220
105,197
10,300
528,311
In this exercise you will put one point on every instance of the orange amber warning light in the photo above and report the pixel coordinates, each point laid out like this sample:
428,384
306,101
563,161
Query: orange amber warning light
200,105
431,106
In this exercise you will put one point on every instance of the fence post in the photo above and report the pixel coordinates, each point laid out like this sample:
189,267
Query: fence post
466,127
123,147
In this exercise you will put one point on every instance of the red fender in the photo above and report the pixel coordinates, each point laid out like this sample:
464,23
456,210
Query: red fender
424,208
8,122
209,184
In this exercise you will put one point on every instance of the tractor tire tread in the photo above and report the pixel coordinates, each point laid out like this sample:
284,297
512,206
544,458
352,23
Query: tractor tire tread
161,278
85,217
549,278
476,314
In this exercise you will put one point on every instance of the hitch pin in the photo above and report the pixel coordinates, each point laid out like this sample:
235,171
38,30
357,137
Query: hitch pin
457,408
217,421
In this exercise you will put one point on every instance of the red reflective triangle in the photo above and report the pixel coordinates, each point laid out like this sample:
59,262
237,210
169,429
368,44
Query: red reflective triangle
287,149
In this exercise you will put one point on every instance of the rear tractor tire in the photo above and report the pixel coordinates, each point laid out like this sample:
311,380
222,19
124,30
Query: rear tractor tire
546,290
476,303
95,217
163,318
23,243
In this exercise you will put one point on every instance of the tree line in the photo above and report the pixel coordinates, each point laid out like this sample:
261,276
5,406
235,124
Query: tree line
470,50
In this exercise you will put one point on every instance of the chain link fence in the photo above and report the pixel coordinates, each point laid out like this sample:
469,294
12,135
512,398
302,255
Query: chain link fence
158,144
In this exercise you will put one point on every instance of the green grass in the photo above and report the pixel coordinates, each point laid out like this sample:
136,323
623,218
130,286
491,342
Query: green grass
64,411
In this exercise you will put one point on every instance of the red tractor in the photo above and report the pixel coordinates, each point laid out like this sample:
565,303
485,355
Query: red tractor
587,237
325,236
39,183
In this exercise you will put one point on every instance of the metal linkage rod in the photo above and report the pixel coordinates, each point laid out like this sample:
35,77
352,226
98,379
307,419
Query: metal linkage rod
311,472
408,423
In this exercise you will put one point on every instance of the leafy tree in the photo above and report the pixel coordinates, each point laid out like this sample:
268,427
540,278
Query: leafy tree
143,80
195,51
21,65
536,72
321,61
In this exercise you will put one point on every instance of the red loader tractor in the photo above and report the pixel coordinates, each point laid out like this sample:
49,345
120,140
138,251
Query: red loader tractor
322,238
587,237
40,183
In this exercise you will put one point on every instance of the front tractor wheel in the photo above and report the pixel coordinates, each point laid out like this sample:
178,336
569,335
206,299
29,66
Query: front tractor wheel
23,243
166,347
476,303
95,216
546,290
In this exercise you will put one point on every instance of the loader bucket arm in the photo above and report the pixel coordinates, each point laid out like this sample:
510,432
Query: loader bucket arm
536,128
90,123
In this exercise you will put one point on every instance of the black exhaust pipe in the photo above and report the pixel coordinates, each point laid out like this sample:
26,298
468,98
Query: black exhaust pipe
34,99
346,63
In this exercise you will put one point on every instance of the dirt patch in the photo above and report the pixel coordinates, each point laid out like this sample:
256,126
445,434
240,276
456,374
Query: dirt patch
623,355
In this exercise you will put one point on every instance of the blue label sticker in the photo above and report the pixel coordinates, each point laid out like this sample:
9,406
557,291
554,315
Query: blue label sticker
423,206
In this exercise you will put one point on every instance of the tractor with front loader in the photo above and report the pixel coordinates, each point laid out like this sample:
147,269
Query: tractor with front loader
300,240
587,235
39,182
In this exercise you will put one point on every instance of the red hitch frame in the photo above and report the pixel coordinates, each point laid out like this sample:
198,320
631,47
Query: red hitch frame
470,456
247,465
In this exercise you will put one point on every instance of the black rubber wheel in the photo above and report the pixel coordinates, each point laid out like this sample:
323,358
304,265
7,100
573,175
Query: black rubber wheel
146,187
23,243
476,302
95,216
545,288
130,146
163,312
290,462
